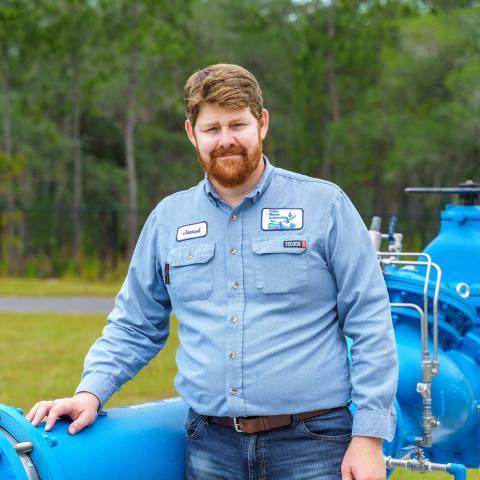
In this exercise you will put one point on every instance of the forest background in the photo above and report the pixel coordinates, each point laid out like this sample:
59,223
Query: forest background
374,95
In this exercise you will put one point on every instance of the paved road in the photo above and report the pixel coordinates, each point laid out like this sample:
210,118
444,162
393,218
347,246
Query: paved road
57,304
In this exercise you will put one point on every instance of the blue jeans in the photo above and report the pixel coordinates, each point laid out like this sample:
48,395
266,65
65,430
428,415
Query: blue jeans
306,450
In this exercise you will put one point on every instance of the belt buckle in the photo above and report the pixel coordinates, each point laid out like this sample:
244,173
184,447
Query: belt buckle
236,425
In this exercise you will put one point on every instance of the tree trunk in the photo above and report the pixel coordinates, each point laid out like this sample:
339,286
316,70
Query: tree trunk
103,242
77,158
130,141
7,122
114,232
10,223
332,76
332,84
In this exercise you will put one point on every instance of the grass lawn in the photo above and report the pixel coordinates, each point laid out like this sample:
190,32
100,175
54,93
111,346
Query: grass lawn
405,475
56,287
42,355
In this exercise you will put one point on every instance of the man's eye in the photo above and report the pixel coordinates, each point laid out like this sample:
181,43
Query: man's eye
235,125
212,129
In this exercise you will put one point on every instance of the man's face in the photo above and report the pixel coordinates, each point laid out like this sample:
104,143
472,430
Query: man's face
228,142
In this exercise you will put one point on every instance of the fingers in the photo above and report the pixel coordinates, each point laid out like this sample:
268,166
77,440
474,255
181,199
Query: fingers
31,413
82,410
85,418
39,411
347,476
55,412
51,409
347,473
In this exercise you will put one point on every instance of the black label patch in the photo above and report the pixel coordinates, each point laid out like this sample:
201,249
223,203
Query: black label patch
295,244
167,274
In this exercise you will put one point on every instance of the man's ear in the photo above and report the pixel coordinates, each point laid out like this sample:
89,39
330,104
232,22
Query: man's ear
264,123
190,134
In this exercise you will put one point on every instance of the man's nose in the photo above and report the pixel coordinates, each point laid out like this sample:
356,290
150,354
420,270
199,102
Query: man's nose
226,138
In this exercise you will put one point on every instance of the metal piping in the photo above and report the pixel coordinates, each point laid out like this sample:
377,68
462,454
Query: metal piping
423,326
393,260
438,279
429,368
428,264
423,465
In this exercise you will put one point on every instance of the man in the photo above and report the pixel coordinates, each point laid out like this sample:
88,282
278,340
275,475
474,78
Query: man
267,271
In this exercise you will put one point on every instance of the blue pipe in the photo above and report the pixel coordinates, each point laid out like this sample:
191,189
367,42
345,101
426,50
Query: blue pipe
458,471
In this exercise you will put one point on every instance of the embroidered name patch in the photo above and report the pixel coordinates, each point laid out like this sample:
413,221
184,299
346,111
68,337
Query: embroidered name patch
194,230
282,218
295,244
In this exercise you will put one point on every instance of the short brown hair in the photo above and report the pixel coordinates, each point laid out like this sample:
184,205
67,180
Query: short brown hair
224,84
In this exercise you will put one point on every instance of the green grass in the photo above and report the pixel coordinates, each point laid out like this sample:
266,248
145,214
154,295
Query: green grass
405,475
56,287
41,357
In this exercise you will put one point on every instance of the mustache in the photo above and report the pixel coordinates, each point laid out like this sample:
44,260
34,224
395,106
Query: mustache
231,150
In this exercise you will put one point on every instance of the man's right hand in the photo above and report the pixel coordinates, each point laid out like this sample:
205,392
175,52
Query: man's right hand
81,408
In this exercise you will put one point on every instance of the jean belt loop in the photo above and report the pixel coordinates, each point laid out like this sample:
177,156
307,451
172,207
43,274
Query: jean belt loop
294,420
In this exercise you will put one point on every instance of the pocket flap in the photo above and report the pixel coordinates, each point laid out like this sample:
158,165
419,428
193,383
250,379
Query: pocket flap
187,255
279,245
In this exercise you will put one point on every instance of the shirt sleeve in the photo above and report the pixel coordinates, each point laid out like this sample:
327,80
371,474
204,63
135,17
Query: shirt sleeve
364,315
138,326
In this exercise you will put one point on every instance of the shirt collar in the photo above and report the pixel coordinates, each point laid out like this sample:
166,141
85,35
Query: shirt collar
257,191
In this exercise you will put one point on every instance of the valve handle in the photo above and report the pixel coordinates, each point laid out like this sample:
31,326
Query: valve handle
408,448
469,191
417,452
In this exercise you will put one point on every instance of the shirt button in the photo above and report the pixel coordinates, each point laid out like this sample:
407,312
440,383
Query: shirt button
233,319
189,256
234,218
233,251
235,285
233,391
233,355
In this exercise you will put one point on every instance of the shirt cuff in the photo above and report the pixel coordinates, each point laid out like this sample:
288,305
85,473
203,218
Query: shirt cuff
375,423
98,384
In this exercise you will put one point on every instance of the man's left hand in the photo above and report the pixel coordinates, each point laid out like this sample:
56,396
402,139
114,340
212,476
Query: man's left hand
364,460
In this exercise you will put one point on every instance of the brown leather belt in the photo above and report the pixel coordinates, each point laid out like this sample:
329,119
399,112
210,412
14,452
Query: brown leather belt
263,424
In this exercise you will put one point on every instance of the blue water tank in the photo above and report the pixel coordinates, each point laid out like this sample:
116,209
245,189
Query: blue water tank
457,249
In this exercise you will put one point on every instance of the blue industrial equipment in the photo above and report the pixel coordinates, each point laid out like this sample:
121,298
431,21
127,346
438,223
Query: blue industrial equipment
457,247
439,386
140,442
435,300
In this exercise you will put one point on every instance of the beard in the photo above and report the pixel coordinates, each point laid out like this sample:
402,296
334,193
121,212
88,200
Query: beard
231,172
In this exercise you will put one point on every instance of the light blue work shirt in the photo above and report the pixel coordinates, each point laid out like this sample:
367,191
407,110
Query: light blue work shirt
265,294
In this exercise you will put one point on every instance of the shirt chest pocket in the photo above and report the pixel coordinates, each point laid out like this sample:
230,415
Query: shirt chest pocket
191,271
281,264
